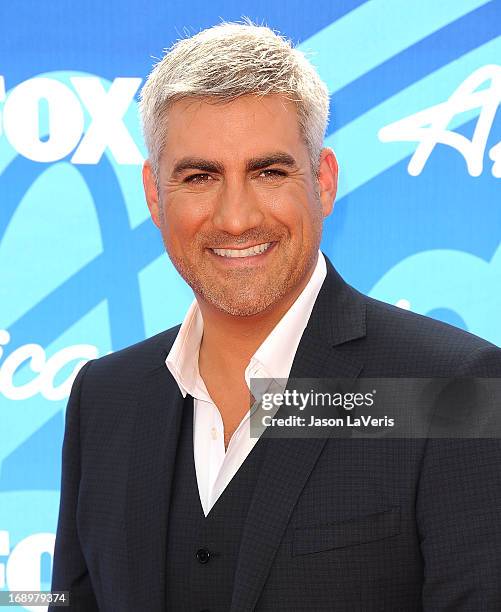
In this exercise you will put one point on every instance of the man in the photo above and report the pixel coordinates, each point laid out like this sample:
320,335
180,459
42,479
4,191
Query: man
167,502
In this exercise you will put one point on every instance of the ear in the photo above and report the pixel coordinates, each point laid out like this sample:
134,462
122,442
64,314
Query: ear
151,192
327,180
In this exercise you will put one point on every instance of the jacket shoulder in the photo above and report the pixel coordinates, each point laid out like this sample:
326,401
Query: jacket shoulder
138,358
417,345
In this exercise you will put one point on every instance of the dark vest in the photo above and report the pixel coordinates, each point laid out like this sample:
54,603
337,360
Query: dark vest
202,552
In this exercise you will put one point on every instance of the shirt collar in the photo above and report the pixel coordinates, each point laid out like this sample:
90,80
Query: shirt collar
275,355
182,360
273,358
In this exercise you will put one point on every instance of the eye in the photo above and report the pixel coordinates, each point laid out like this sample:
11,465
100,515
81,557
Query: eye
272,173
198,178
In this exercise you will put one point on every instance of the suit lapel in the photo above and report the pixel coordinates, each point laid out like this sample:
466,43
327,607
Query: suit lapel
151,469
337,317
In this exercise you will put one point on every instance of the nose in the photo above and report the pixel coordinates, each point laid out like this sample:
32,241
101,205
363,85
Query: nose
237,209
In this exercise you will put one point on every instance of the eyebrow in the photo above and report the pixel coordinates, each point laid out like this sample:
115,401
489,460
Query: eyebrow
255,163
283,159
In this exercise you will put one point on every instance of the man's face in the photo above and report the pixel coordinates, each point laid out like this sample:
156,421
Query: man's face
233,177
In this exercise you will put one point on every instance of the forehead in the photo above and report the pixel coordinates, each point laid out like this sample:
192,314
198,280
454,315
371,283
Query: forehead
232,131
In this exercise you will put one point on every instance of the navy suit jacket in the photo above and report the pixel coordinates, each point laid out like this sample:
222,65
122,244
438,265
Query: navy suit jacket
334,524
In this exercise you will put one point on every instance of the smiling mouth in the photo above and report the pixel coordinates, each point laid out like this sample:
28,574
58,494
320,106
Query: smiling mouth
250,252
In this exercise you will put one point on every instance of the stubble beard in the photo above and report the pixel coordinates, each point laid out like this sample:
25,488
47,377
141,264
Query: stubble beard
244,292
243,295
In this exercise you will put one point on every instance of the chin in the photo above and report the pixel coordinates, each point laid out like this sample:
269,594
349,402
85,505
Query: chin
243,308
239,309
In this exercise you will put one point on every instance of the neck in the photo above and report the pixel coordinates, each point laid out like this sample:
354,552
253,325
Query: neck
232,340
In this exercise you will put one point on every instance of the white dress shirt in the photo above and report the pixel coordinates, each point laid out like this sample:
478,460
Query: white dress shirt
214,466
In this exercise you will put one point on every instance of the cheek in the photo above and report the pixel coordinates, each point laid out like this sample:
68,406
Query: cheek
183,220
301,215
285,206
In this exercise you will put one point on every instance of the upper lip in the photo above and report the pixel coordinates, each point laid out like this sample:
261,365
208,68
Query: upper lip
240,247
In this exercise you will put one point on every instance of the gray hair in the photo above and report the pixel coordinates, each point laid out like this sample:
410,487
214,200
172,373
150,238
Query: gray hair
227,61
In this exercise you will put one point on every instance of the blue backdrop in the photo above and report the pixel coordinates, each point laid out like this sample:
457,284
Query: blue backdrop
415,90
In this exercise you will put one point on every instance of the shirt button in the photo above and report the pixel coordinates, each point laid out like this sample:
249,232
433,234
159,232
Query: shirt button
213,433
203,555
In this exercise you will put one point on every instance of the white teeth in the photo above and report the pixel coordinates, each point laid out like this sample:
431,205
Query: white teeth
255,250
